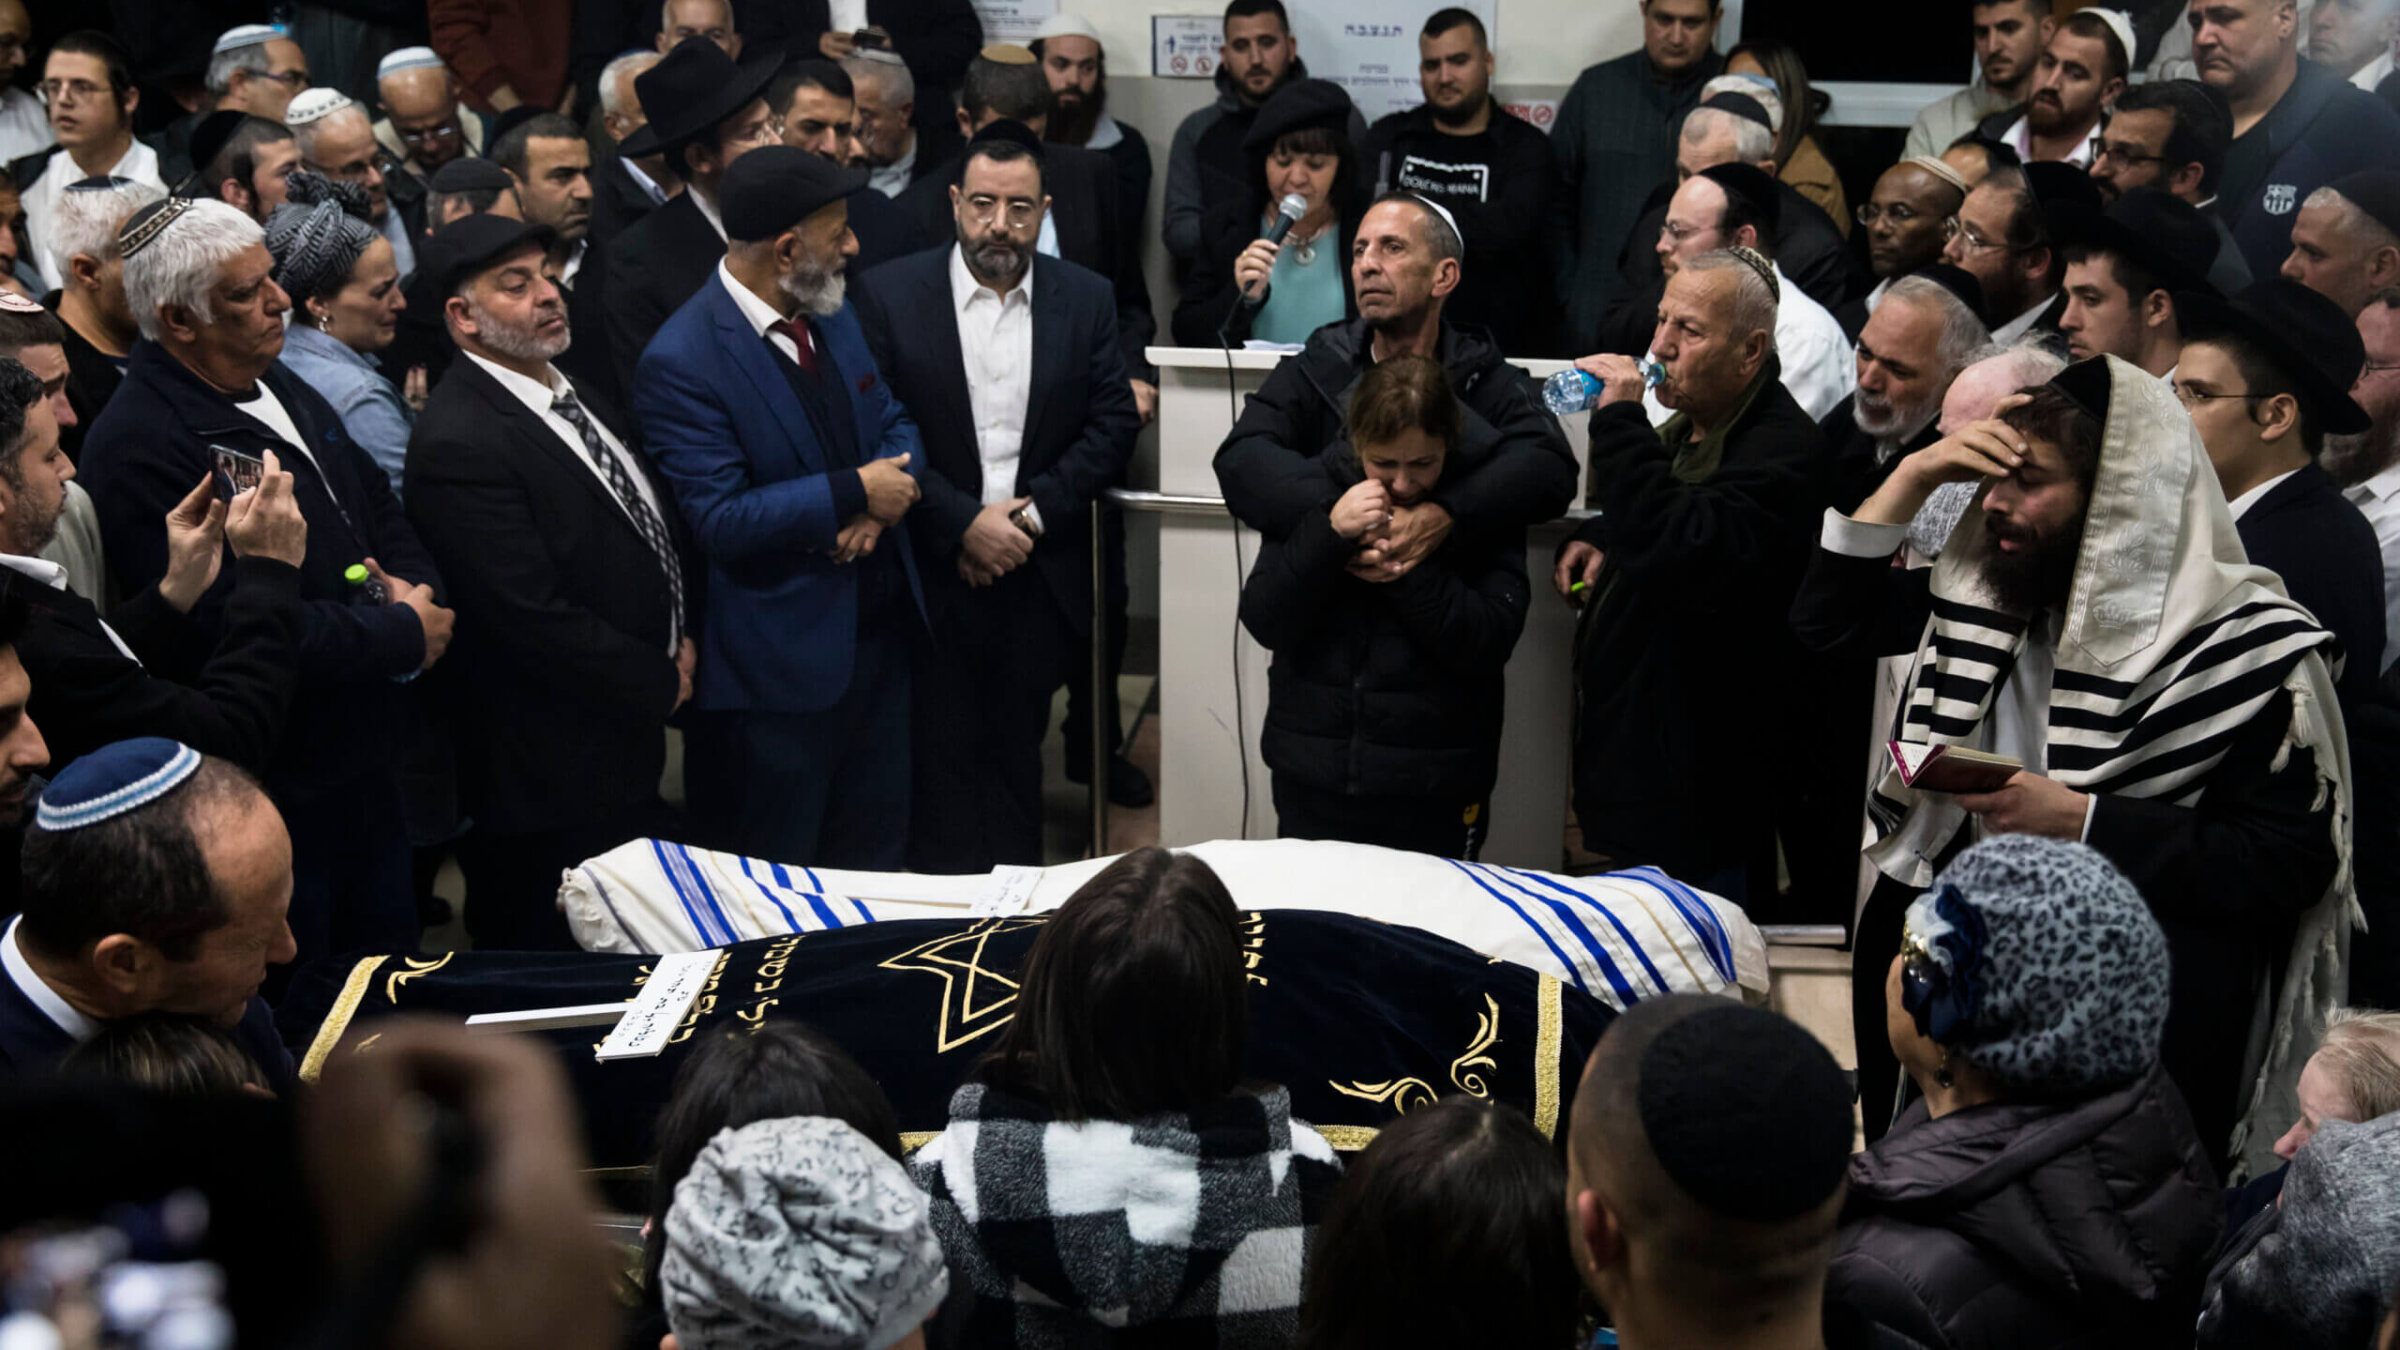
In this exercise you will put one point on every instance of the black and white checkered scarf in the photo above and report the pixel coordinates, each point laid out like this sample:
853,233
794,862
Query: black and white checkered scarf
1175,1230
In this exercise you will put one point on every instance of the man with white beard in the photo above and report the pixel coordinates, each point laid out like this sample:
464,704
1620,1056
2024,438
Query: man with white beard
794,465
1908,354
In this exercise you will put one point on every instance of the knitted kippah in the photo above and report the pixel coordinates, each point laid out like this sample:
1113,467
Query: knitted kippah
314,104
246,35
143,227
13,303
407,58
113,780
1747,1113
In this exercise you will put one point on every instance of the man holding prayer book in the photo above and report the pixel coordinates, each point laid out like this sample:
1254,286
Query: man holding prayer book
2171,708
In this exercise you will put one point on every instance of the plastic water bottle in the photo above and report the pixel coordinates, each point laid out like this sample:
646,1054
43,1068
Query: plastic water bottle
1570,391
364,588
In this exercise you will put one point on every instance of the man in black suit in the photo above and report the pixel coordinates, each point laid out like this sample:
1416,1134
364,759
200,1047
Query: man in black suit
2267,376
816,106
1010,362
566,558
624,189
936,38
705,113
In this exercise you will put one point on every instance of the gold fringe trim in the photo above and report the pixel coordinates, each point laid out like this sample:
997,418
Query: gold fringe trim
1347,1138
354,992
1549,1031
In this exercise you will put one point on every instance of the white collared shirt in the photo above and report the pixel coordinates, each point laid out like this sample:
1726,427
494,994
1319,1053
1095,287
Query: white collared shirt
2373,72
2007,333
21,973
709,211
762,316
538,396
574,263
648,185
43,572
60,172
893,178
2020,139
24,126
995,335
2378,499
2242,504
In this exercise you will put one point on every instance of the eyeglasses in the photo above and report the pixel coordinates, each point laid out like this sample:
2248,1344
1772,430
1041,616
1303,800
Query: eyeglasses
765,133
1955,228
2371,368
983,207
2124,154
2191,397
56,92
294,80
1679,233
1902,214
444,131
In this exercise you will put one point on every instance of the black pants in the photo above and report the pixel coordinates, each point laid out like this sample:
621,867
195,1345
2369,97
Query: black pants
352,878
827,788
512,879
983,708
1445,829
1872,948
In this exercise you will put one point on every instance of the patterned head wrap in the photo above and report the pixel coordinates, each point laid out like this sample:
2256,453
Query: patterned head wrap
318,235
798,1232
2038,962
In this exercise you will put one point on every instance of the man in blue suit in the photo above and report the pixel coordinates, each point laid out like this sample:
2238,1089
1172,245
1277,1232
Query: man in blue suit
794,464
1012,365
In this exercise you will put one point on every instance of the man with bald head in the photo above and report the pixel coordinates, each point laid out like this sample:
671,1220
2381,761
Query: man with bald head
1689,567
2344,244
1907,221
1705,1164
422,124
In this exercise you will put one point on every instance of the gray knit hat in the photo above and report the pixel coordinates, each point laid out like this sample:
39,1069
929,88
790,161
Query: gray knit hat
2038,962
2318,1269
798,1232
317,236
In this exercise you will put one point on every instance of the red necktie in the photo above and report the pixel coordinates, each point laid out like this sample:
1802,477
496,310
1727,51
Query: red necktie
801,343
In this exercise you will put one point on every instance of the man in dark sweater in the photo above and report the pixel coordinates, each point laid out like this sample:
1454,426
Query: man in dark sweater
1491,171
1686,575
1612,139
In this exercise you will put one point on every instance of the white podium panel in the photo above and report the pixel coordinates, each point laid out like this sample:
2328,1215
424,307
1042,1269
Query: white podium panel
1213,677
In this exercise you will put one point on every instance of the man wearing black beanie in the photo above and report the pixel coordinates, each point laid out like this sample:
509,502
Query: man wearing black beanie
1704,1175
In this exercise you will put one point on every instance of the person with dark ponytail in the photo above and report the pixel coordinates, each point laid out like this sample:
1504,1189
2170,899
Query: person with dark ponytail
1384,698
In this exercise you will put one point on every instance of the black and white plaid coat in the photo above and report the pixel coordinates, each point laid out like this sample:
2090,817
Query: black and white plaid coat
1175,1230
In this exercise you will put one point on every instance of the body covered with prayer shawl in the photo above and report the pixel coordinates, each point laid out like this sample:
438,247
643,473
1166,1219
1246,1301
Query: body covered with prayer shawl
1621,937
2189,698
1359,1020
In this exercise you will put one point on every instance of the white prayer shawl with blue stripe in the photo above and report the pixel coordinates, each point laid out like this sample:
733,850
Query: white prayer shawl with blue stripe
2173,642
1622,937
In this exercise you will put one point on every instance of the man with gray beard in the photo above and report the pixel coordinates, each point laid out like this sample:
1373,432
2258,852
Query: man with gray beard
567,563
1016,449
794,464
1914,345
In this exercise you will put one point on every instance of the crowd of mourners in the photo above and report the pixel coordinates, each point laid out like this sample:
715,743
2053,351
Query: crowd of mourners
411,414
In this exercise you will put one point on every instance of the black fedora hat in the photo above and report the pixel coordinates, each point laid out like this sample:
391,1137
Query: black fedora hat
690,90
2309,338
2157,231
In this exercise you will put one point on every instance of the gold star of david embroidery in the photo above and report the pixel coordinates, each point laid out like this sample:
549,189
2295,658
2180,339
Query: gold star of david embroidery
976,999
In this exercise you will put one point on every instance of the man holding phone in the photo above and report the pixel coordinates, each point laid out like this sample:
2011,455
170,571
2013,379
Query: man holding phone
935,38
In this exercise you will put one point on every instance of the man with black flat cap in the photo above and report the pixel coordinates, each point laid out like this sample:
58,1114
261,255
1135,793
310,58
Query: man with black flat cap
1012,364
2125,265
2346,239
2267,376
705,113
565,557
794,464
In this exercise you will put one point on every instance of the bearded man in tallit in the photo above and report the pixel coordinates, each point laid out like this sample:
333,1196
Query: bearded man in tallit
2094,616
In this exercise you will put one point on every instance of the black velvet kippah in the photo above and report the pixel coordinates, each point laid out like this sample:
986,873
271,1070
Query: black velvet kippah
1752,182
210,134
2374,191
1746,1112
1010,130
469,173
1740,105
2086,382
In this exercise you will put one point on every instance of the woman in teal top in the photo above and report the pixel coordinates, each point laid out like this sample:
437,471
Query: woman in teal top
1299,146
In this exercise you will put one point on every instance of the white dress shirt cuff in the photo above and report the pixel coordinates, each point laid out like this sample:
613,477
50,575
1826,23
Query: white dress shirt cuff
1034,514
2091,808
1859,539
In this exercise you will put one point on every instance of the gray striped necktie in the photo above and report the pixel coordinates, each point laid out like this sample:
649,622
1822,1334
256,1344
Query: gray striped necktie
620,481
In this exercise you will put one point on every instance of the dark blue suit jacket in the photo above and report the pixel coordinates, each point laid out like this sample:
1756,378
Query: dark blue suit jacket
2325,551
1080,417
722,423
31,1042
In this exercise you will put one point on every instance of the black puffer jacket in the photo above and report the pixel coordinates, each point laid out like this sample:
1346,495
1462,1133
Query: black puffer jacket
1386,688
2028,1224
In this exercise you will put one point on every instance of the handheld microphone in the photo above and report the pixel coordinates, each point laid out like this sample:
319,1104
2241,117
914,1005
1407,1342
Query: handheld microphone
1287,214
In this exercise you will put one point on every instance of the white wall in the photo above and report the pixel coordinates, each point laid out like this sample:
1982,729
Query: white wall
1538,42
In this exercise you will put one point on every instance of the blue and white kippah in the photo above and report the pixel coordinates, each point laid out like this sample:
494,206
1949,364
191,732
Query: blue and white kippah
247,35
407,58
113,780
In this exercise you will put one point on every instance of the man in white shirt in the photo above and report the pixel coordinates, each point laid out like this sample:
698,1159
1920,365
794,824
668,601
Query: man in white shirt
1733,204
89,86
885,121
24,126
1047,422
2353,39
2081,72
2366,466
2009,37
